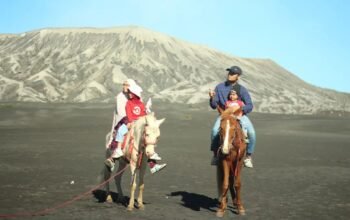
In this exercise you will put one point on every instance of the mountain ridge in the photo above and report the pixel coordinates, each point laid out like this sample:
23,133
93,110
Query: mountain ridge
89,65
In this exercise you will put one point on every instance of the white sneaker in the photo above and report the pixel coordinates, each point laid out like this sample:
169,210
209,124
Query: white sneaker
214,161
109,163
157,168
117,153
246,139
155,156
248,162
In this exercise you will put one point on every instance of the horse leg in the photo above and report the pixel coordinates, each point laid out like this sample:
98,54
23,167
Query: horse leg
133,188
226,171
140,204
232,190
237,183
141,183
219,181
106,175
118,181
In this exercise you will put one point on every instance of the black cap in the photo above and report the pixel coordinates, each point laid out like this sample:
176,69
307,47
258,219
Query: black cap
234,70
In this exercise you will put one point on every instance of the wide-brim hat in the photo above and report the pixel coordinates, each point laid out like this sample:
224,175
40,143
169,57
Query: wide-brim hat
136,90
130,82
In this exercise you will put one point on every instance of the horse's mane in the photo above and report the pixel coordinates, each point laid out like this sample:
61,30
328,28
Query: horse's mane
227,114
140,123
150,119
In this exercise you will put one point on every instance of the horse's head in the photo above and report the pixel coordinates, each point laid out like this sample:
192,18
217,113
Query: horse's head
151,132
228,128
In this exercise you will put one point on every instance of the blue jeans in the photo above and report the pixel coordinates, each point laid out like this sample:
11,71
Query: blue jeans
245,123
122,130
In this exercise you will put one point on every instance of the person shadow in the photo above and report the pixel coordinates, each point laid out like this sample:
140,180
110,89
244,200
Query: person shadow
196,201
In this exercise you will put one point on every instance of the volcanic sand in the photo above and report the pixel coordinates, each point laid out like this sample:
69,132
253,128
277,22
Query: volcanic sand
53,153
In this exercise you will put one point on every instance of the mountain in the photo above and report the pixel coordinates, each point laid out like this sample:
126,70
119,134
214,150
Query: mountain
89,65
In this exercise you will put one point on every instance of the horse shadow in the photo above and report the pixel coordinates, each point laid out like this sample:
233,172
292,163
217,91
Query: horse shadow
101,196
196,201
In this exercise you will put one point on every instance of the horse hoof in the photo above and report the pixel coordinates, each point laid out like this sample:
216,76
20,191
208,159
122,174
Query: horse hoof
220,214
109,199
241,211
141,207
129,208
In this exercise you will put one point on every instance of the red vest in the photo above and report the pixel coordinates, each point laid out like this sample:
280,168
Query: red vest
135,109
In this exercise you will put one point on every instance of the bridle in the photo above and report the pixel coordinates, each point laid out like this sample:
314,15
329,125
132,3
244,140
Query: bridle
144,143
145,138
231,146
230,142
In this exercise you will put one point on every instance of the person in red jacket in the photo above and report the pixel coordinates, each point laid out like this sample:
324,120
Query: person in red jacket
134,106
233,101
134,109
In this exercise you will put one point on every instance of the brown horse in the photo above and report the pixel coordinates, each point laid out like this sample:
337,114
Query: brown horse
231,154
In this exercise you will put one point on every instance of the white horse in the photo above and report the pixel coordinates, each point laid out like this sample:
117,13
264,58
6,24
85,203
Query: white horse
140,143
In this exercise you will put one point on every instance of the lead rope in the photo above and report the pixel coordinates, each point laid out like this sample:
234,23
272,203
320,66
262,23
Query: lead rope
63,204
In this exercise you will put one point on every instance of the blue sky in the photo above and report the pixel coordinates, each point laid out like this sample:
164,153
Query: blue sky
308,38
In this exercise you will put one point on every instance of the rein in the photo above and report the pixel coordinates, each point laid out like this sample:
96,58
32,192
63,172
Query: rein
144,135
144,143
144,138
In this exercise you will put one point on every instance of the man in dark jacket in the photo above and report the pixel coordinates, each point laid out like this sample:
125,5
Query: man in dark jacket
218,99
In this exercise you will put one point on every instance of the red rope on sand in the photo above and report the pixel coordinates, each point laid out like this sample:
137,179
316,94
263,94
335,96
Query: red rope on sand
61,205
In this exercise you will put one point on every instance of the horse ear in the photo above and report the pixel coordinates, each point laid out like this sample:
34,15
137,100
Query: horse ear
148,105
150,113
159,122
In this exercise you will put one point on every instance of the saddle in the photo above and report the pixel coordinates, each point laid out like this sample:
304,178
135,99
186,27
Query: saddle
128,142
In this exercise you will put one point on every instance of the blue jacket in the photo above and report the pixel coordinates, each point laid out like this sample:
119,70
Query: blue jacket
221,96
